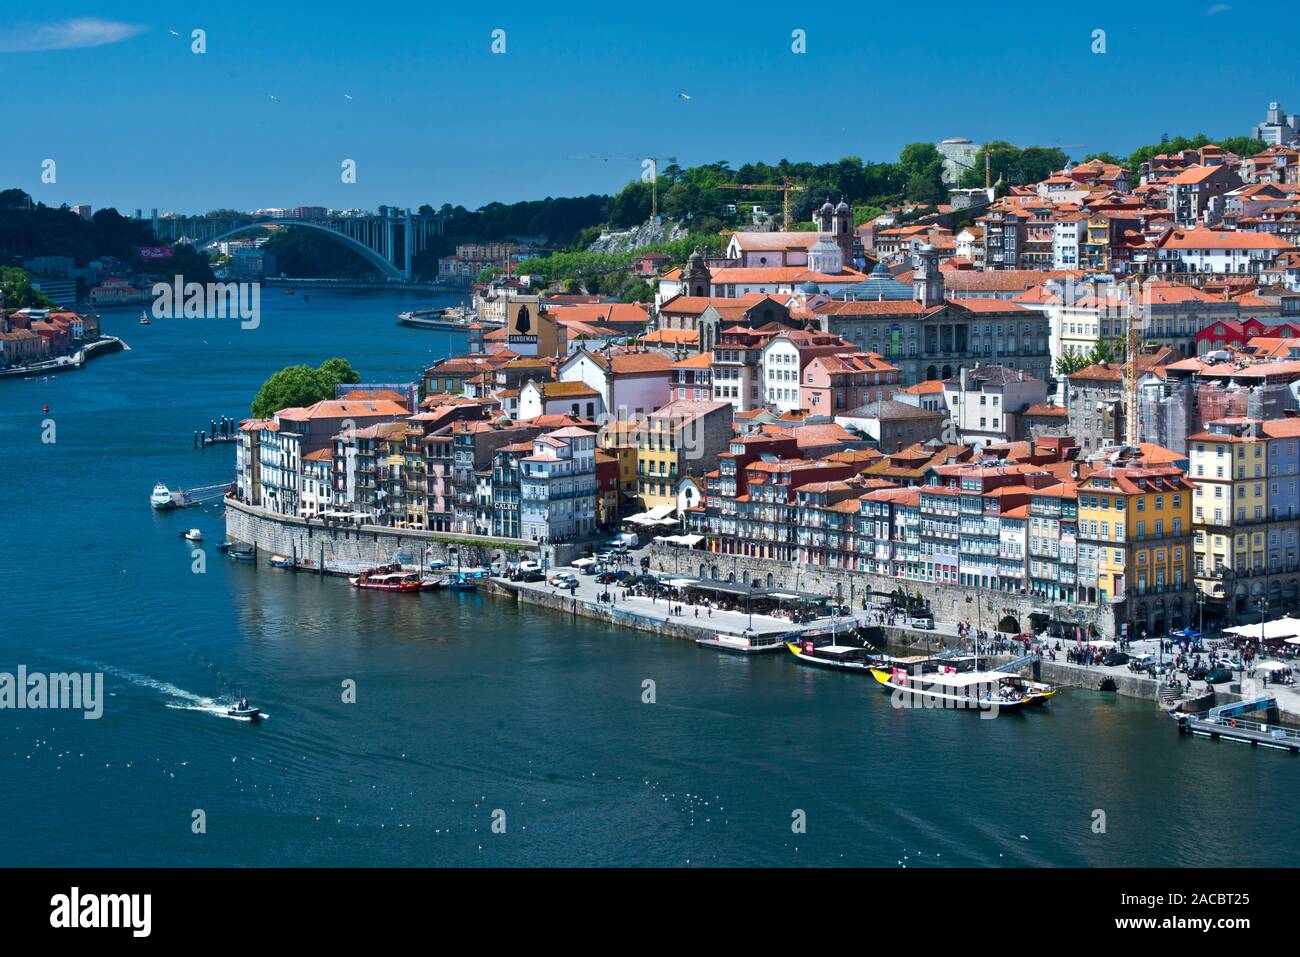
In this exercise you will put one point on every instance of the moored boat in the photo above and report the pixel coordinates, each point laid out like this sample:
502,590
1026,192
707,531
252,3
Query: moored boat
164,498
950,688
279,561
387,578
243,555
835,657
745,643
461,583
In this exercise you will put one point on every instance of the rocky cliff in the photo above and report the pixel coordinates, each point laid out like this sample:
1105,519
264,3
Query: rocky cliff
626,241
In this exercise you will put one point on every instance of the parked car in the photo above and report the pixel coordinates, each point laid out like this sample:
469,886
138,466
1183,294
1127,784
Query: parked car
532,575
1217,676
563,580
1115,658
925,624
614,577
1141,663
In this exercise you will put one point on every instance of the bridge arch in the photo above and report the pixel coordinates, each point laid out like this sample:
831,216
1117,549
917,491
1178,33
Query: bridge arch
372,257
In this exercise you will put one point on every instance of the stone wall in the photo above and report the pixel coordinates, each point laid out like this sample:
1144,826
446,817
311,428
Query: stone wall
949,602
344,547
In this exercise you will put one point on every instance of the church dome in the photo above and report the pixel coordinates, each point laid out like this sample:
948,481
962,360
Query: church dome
810,288
880,284
843,207
825,256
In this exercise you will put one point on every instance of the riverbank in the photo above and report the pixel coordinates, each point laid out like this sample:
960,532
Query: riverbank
102,346
315,546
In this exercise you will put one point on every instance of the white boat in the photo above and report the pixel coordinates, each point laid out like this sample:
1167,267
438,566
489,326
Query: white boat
163,497
745,643
144,318
193,535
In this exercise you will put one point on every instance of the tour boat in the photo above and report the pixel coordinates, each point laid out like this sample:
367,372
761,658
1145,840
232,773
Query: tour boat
746,643
193,535
162,497
836,627
836,657
383,579
950,688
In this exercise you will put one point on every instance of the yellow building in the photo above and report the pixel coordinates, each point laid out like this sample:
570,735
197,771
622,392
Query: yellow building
682,437
1229,466
619,439
1135,544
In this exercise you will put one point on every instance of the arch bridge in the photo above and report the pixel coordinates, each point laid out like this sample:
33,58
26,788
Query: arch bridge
388,240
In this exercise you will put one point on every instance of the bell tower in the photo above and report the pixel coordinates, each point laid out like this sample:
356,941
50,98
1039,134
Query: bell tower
696,278
927,279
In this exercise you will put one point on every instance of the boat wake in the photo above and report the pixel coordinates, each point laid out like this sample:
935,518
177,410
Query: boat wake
181,699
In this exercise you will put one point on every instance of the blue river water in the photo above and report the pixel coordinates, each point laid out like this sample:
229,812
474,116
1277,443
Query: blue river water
470,709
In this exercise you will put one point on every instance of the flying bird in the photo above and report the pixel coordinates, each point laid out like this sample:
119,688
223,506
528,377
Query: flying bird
173,33
274,97
684,96
347,96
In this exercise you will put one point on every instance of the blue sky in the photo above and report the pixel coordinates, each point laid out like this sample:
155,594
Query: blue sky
137,120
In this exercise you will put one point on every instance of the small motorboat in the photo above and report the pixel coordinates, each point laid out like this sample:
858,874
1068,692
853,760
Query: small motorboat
243,555
432,583
224,546
244,710
462,584
144,318
279,561
193,535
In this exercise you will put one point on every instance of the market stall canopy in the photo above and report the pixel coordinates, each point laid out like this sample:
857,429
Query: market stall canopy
690,541
1281,629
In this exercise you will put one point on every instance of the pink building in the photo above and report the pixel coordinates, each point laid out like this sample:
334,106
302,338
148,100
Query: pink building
837,383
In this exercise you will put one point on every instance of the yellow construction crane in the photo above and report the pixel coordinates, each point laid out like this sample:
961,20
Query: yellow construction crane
654,175
786,187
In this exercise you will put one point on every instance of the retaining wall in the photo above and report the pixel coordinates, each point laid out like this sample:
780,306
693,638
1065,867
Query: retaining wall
949,602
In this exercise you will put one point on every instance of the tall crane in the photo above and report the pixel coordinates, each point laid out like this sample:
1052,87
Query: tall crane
989,150
654,175
786,187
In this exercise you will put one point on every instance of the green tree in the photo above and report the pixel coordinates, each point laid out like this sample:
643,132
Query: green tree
19,292
302,385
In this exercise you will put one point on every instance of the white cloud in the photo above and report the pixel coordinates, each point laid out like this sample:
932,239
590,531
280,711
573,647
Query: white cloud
66,35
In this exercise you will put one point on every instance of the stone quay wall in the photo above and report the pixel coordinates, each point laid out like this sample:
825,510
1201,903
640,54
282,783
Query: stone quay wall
346,547
948,602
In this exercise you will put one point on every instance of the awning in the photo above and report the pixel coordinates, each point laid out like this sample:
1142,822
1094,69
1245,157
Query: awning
1280,629
690,541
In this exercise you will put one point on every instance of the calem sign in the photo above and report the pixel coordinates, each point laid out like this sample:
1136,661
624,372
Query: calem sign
155,252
